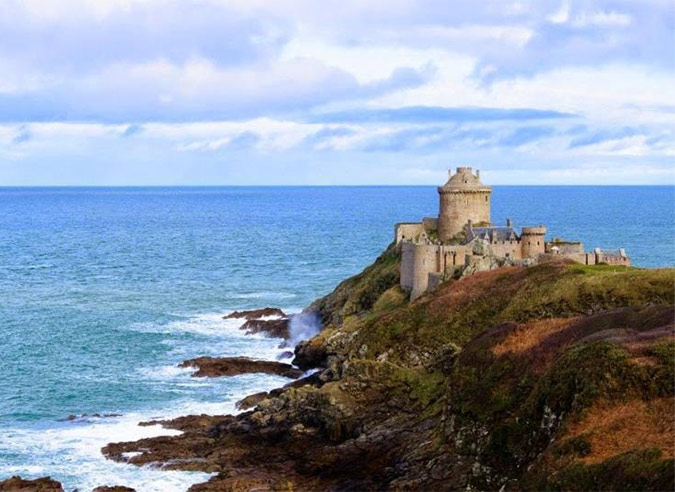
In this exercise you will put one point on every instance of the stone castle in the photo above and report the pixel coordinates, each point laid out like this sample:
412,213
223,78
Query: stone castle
462,239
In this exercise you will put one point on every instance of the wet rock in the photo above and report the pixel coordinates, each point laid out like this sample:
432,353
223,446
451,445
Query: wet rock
285,355
309,355
274,328
18,484
256,313
85,416
113,488
233,366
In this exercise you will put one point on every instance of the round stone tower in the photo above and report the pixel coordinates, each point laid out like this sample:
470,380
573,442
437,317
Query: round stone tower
532,241
462,198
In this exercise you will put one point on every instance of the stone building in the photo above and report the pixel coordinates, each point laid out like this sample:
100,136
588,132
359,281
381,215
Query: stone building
462,239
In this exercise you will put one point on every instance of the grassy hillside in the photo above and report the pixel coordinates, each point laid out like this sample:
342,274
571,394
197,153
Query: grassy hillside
552,377
557,376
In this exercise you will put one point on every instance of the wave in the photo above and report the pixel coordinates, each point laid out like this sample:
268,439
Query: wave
264,295
71,451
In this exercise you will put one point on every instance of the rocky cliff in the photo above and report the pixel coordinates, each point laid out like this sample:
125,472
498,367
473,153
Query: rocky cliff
550,377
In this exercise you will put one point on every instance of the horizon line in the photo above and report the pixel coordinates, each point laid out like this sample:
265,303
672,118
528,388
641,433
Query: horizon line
313,185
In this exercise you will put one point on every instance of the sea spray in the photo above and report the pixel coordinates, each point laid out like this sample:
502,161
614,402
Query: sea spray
303,326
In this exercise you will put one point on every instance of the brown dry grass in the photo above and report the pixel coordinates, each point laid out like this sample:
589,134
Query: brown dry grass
457,294
612,428
529,335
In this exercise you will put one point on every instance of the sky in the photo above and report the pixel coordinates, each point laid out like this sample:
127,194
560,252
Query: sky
349,92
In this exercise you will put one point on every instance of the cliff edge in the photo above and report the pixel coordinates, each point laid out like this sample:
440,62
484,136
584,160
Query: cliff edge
550,377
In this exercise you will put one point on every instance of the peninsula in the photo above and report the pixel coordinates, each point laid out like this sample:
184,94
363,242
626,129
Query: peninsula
466,357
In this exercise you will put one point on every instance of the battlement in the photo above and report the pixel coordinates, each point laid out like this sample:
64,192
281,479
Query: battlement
463,239
463,180
539,230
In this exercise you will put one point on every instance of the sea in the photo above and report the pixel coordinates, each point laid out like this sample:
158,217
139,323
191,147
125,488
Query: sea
104,291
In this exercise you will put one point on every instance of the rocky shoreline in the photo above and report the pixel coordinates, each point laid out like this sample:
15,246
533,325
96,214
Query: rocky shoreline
232,366
550,377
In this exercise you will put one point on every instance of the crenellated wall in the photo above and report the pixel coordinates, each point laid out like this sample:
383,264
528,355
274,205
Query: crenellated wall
532,240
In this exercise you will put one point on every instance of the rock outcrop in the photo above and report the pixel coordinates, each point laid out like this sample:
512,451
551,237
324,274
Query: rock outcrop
113,488
257,322
256,314
550,377
232,366
18,484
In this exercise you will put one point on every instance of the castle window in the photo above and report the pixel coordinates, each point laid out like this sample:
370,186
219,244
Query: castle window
486,198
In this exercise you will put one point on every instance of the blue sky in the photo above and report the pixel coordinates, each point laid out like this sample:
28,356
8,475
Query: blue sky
190,92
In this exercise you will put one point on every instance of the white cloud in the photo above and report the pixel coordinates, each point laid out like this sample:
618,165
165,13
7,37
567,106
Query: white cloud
214,78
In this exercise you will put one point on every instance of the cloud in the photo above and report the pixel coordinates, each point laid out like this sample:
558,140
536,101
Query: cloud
362,90
132,130
603,136
525,135
427,114
23,134
83,37
197,91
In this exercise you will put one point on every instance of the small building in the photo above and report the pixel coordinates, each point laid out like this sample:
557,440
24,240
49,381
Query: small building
440,247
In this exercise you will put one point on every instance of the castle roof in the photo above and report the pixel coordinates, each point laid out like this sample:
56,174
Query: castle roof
492,234
464,179
610,252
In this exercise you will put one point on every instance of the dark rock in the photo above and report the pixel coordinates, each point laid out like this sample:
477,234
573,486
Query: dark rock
309,355
274,328
285,355
18,484
251,400
113,488
256,313
92,415
232,366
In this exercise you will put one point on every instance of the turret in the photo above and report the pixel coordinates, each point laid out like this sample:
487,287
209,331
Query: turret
462,198
532,241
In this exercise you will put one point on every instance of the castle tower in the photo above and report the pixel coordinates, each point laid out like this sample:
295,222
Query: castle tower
462,198
532,241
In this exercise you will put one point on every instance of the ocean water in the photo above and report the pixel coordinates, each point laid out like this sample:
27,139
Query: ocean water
103,291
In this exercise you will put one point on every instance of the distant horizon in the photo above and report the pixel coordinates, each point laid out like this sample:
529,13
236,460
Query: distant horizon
590,185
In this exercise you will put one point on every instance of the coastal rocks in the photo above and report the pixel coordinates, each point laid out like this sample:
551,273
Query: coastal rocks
257,321
18,484
233,366
504,380
251,400
256,313
87,416
113,488
285,355
310,354
273,328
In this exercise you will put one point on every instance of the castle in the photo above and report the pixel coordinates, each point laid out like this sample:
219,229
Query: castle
462,237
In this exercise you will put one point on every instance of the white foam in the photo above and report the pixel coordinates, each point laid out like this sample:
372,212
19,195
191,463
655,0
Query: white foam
264,295
71,451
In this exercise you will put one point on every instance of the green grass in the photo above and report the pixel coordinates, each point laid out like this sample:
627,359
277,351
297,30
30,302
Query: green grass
637,470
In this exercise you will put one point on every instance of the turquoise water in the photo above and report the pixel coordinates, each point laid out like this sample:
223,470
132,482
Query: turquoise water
103,291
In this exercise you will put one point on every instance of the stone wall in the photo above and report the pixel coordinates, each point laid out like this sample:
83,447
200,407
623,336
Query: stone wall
407,231
420,260
618,257
457,207
533,241
507,249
